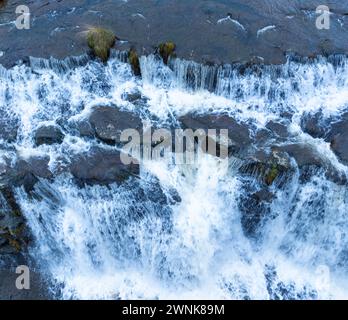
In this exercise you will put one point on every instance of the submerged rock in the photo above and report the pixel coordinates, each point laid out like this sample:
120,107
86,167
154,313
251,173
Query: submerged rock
108,123
49,134
101,41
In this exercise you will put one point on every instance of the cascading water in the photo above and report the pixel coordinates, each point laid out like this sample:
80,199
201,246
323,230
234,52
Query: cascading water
176,232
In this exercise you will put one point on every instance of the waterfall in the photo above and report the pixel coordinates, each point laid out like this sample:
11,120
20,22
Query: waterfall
176,231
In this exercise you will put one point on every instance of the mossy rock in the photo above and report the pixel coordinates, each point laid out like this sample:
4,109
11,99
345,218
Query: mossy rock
271,175
2,3
134,61
101,41
11,200
166,50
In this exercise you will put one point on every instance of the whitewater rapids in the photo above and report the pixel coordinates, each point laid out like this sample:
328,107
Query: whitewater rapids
101,242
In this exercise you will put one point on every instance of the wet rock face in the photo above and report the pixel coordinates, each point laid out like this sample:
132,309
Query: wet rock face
50,134
338,137
332,130
101,166
8,127
309,161
108,123
13,237
315,125
267,167
255,207
238,133
27,171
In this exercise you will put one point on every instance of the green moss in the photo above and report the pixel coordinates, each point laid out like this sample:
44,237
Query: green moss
272,175
134,61
17,232
11,201
166,50
15,244
101,41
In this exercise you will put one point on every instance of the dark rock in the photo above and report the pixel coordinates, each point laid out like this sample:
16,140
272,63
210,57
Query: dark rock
310,161
314,125
108,123
8,127
132,97
264,195
302,153
339,145
254,205
101,166
337,136
238,133
26,172
268,168
49,134
277,128
85,129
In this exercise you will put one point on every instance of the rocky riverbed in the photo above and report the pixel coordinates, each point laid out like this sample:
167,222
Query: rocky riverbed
207,31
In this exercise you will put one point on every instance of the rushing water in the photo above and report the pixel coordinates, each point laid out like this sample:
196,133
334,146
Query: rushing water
135,240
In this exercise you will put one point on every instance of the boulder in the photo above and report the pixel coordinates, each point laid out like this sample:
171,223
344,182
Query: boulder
338,138
108,123
333,130
238,133
309,161
303,154
278,129
84,128
267,167
27,171
48,134
314,124
101,166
